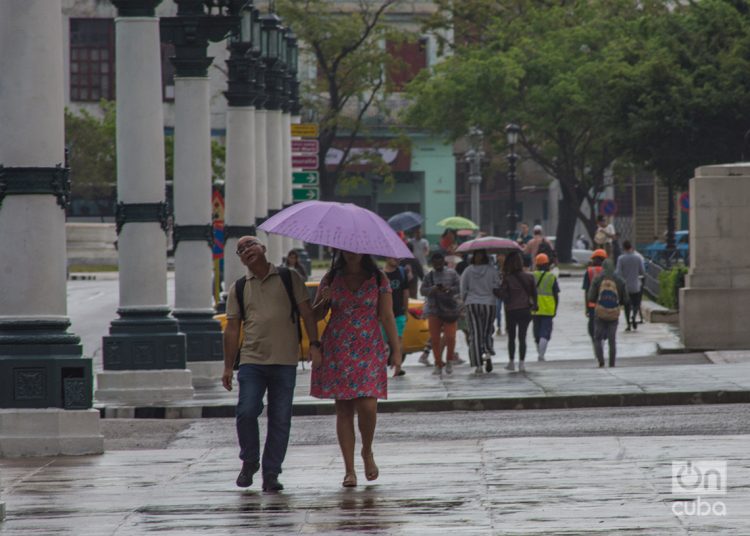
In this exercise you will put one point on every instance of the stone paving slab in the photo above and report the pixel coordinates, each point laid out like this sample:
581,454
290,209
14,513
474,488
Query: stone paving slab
581,485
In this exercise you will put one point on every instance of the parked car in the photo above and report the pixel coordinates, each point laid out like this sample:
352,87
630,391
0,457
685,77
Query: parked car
416,332
579,256
657,251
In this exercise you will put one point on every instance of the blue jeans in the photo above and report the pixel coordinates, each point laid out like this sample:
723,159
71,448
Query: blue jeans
255,381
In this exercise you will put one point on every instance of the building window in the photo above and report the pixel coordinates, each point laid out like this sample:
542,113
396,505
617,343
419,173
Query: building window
409,57
92,59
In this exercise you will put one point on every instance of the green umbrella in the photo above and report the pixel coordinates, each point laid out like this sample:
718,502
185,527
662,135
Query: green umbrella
458,222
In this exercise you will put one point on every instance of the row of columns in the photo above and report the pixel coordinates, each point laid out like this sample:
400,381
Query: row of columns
45,382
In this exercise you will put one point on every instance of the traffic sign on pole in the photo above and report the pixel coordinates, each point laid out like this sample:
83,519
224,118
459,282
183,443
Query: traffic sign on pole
608,207
305,130
305,178
685,201
305,161
305,194
305,146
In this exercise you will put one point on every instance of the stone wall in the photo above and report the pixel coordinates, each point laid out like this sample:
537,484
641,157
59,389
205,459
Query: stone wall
91,243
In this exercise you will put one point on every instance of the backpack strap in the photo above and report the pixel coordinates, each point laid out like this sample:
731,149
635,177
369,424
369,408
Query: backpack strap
286,278
239,291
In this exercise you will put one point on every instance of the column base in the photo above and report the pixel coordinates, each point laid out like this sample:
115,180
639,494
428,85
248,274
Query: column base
715,318
49,432
204,337
144,339
206,373
143,387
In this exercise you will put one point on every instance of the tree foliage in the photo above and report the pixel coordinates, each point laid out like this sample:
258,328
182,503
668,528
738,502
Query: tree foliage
556,69
345,42
92,149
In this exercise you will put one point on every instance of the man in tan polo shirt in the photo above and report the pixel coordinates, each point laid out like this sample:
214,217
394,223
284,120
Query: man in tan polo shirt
268,360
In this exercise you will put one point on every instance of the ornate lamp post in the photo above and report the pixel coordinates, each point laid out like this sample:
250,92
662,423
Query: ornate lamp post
273,48
474,157
190,32
512,131
290,43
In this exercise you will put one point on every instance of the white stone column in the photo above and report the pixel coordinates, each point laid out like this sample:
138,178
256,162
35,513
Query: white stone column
713,305
45,384
286,140
261,170
275,180
240,186
193,251
144,355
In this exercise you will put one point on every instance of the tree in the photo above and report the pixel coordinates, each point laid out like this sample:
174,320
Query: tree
689,103
555,69
345,41
92,149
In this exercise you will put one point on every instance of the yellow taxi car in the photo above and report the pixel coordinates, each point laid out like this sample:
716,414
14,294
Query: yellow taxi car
416,332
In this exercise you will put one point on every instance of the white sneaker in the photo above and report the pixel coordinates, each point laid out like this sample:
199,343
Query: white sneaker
521,367
510,366
424,359
478,371
448,367
437,371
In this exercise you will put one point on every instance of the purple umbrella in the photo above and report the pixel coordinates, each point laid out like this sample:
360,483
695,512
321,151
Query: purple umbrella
338,225
492,244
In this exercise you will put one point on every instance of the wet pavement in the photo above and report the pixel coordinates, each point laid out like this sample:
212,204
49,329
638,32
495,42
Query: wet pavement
582,485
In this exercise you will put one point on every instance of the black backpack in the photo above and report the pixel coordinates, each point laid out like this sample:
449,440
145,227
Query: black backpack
546,248
286,278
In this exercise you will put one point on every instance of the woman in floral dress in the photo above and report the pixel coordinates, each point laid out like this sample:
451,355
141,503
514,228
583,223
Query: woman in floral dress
353,366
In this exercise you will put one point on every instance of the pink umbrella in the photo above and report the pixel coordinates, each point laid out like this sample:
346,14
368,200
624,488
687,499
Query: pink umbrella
338,225
492,244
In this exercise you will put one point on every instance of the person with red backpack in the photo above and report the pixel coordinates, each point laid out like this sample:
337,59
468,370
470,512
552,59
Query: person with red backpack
607,292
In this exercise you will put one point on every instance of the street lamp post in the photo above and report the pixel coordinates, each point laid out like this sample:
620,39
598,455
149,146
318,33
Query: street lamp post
512,131
474,157
375,181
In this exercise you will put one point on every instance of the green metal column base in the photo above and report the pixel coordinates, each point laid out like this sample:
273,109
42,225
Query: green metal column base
204,337
41,366
144,339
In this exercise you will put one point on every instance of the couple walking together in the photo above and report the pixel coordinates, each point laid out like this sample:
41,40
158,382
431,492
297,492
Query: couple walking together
349,363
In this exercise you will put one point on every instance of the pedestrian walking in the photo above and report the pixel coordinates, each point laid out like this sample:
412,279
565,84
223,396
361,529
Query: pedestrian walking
538,244
480,284
267,359
398,277
291,261
548,299
598,256
441,287
630,268
604,235
420,245
499,259
608,292
353,367
519,295
417,273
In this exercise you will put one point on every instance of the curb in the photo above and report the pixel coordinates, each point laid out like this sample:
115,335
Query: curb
685,398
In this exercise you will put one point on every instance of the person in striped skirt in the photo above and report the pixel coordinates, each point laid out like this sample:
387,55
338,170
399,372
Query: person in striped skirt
480,285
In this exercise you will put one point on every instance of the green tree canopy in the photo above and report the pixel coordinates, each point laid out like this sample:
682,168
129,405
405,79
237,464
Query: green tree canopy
344,40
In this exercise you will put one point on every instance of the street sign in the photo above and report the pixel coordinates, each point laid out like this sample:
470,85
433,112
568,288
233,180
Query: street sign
305,178
305,146
305,194
305,161
608,207
305,130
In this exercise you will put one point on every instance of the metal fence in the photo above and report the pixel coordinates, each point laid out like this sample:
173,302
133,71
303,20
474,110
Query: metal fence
651,280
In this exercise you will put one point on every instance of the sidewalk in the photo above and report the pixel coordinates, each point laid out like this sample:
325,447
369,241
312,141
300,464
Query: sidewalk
579,485
659,380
